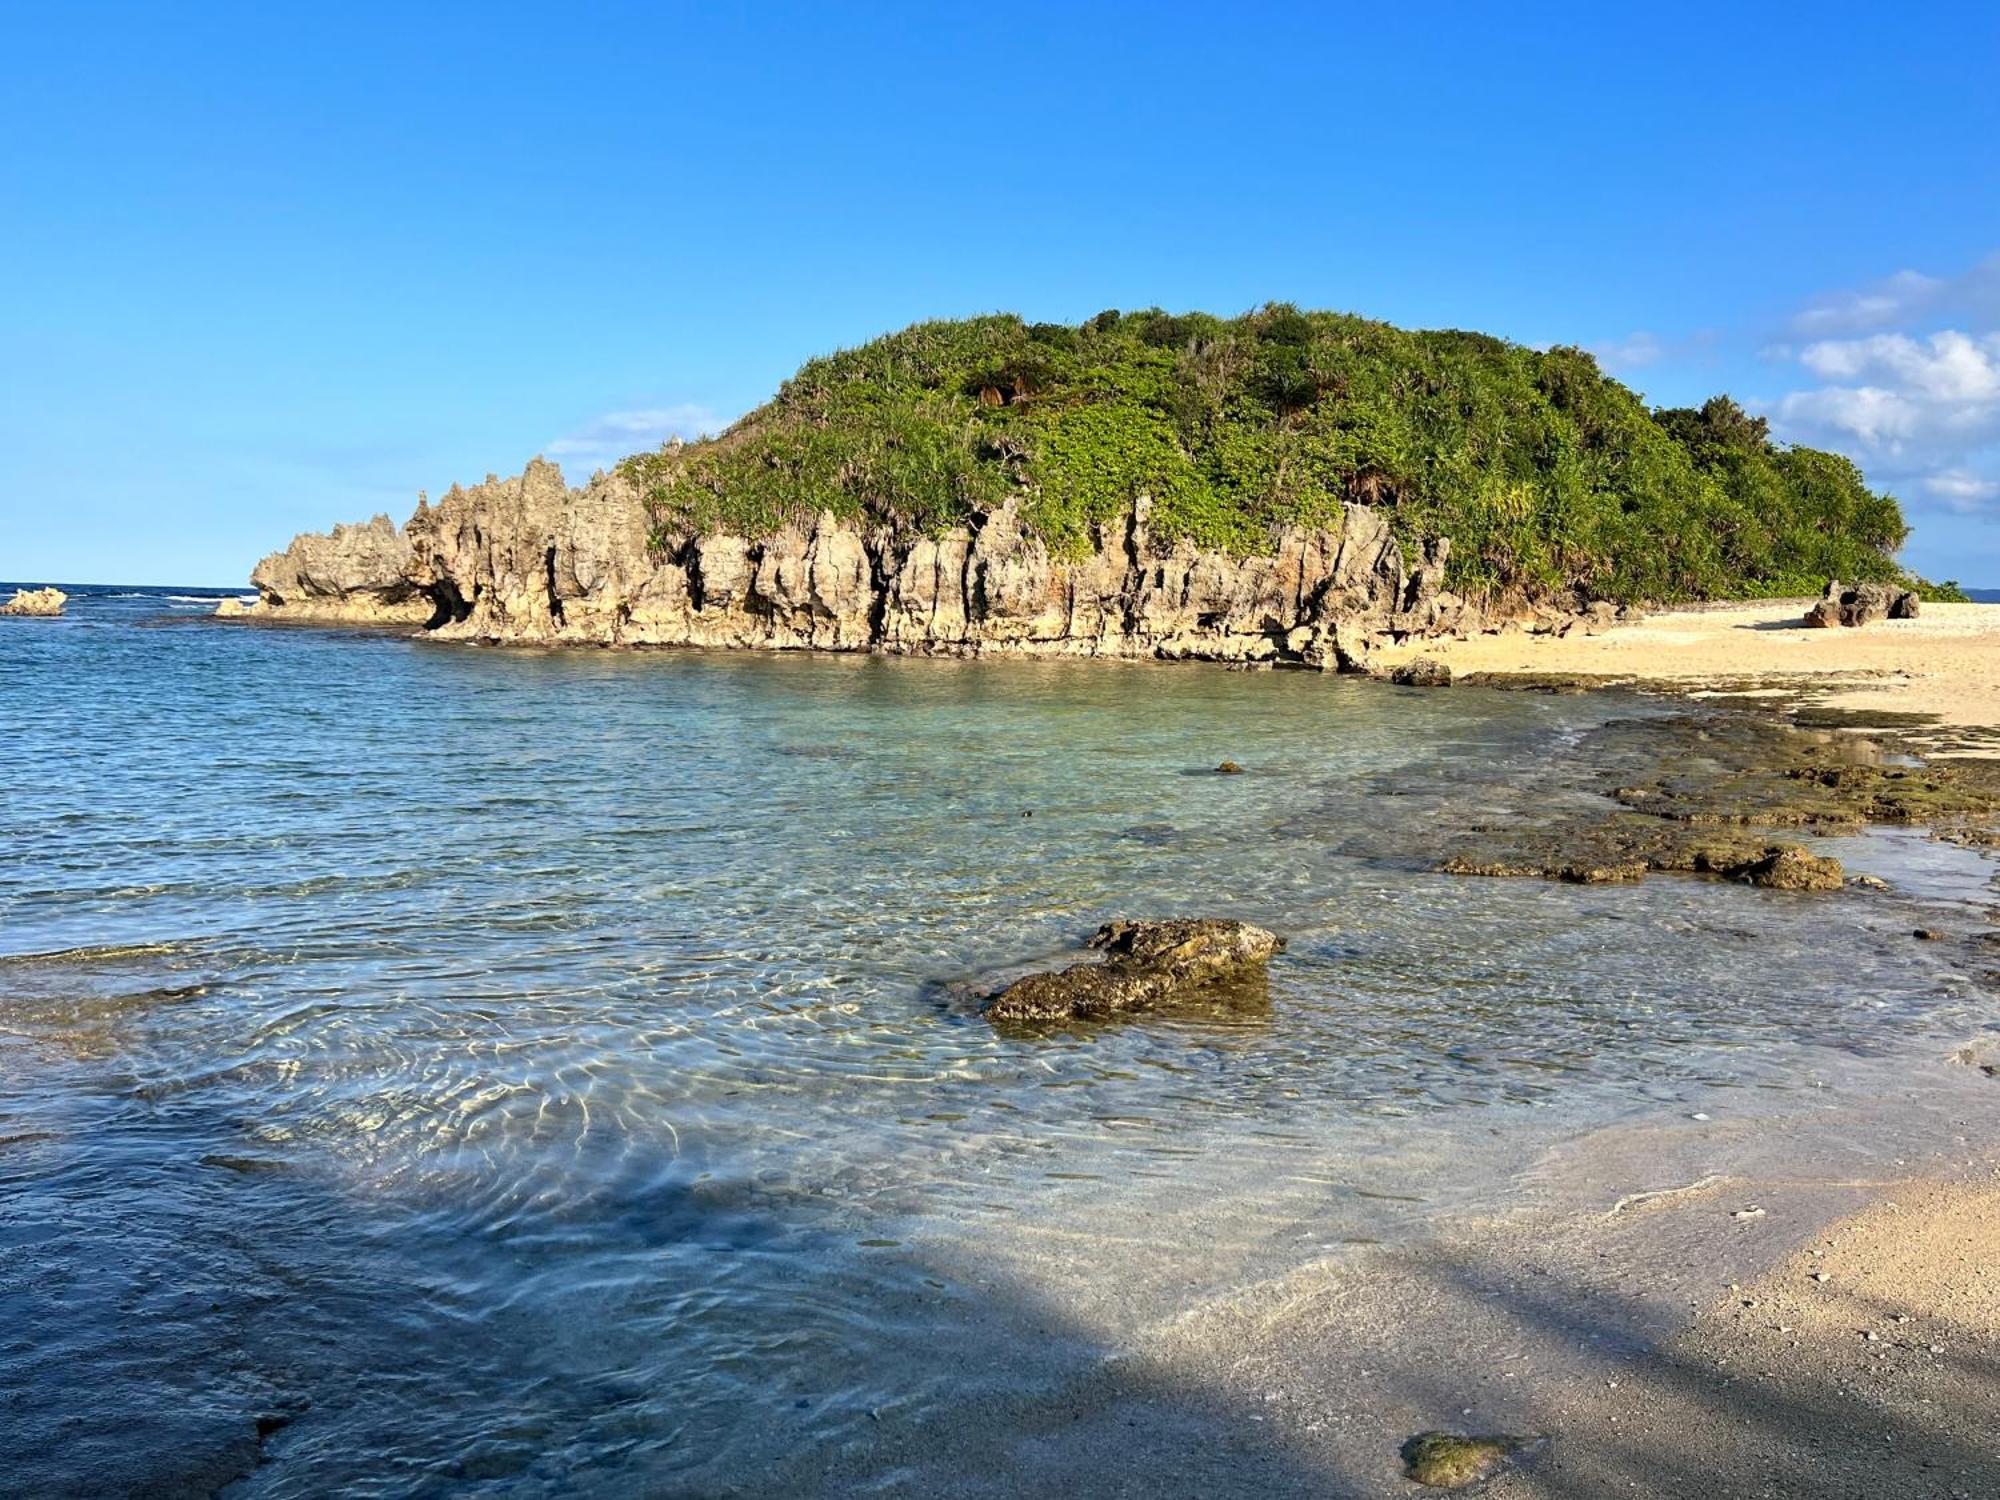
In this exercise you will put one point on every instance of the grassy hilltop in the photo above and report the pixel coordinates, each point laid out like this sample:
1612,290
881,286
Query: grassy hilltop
1549,476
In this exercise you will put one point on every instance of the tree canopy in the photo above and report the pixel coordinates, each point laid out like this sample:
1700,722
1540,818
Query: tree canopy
1549,476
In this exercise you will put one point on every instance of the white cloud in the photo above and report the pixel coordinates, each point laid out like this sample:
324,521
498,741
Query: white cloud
1960,489
1928,402
603,441
1879,420
1917,405
1948,367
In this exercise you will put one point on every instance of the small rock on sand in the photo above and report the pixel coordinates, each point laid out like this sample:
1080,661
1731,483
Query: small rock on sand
1450,1460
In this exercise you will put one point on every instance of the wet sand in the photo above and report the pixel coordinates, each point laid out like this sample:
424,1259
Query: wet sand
1944,663
1801,1300
1860,1356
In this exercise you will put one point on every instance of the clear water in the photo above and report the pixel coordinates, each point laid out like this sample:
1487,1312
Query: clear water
517,1073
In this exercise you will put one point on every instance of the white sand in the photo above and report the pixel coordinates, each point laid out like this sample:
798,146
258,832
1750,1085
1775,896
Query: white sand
1946,662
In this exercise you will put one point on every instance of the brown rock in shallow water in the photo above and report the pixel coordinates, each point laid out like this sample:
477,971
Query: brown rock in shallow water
1425,671
1788,868
1605,851
1229,768
1146,963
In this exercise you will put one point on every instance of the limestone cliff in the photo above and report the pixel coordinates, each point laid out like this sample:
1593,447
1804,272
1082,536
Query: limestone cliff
354,573
528,559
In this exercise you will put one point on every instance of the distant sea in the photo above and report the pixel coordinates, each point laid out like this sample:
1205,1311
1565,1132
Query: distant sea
427,1069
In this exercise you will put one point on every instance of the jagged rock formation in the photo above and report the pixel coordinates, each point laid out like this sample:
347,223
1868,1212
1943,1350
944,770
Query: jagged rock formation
358,574
1861,604
46,604
529,560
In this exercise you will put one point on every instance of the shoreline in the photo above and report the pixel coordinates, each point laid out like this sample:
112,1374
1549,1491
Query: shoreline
1942,670
1943,666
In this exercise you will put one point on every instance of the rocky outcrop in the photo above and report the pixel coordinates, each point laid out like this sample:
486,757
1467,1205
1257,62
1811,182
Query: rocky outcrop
354,574
1146,964
528,559
1861,604
1425,671
45,604
1608,851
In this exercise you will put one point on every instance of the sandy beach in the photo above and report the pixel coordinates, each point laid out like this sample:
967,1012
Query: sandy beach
1945,663
1863,1359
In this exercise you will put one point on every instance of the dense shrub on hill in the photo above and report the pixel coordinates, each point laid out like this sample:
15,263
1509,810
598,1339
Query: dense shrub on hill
1550,477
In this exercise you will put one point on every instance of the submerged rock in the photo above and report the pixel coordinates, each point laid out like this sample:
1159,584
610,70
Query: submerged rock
46,604
1145,965
1622,849
1704,794
1450,1460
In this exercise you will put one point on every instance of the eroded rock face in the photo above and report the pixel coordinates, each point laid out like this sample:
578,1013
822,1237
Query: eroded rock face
1861,604
45,604
353,573
1146,965
528,559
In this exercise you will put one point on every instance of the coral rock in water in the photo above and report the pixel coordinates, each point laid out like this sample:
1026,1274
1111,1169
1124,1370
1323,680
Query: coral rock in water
43,603
1146,964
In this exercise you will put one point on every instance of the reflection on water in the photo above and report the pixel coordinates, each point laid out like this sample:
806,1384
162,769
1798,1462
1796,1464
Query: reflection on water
464,1071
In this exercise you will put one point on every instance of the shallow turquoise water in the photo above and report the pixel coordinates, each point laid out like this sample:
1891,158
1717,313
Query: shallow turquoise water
516,1072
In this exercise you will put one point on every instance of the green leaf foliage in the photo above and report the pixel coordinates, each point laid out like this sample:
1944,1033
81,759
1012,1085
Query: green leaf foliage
1548,476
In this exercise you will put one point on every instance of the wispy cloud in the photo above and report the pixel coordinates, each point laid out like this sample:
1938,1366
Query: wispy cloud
1961,489
1906,299
603,441
1633,352
1642,348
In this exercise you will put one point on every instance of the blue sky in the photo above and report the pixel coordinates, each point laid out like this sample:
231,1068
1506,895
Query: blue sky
264,267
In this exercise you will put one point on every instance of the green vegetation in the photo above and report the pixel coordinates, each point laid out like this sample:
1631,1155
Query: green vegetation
1547,475
1448,1460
